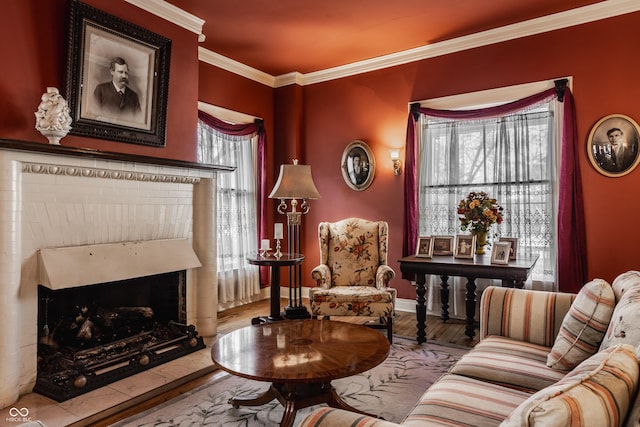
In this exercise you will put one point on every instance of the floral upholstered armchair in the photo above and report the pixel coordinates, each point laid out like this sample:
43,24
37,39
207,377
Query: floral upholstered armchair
353,275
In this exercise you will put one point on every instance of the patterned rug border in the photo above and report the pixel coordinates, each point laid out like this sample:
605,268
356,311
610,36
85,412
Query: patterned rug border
226,377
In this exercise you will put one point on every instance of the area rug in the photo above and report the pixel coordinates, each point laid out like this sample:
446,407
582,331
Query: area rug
389,390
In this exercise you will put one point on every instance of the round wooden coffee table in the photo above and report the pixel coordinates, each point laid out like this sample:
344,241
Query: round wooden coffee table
300,358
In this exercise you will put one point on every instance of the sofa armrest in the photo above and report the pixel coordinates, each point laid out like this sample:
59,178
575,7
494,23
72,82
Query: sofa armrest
331,417
524,315
322,275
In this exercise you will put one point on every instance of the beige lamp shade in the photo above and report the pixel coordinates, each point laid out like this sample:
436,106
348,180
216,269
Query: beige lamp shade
295,182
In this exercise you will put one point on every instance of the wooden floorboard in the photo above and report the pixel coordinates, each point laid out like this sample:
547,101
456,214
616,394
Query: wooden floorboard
451,331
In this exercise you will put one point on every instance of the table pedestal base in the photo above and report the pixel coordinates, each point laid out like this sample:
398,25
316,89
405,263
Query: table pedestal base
294,396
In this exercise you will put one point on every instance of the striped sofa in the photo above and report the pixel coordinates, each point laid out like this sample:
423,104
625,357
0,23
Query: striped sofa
544,359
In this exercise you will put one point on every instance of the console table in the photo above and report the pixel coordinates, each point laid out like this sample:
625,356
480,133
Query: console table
513,274
274,263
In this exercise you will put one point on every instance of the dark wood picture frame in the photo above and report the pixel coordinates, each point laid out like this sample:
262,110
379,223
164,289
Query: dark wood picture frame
599,145
94,39
358,149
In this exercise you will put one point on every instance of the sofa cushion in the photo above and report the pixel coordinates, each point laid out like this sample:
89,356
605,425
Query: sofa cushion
522,314
332,417
625,321
460,401
509,362
597,392
624,282
584,326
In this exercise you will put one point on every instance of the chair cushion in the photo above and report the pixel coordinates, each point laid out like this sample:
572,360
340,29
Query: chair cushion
350,294
512,363
584,326
351,301
460,401
596,393
353,253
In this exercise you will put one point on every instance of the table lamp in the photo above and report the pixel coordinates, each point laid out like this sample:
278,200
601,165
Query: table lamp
294,183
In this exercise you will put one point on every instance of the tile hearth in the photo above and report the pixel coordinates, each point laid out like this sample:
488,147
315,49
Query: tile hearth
113,398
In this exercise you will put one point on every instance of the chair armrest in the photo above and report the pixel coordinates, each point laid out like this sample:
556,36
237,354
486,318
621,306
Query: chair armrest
524,315
384,274
322,275
331,417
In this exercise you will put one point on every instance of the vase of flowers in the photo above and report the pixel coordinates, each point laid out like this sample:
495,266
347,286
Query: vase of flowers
477,212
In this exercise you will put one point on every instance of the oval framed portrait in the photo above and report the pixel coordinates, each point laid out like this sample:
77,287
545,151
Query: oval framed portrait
612,145
358,165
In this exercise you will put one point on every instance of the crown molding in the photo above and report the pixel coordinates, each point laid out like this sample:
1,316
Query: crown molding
289,79
171,13
228,64
583,15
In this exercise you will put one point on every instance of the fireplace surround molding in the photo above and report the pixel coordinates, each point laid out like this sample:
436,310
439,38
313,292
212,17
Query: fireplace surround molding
61,203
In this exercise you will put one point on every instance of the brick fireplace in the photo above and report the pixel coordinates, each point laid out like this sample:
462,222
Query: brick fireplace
58,197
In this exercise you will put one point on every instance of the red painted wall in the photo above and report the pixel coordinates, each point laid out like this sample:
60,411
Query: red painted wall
374,107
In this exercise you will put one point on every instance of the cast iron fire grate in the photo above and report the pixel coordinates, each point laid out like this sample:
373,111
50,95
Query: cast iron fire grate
82,355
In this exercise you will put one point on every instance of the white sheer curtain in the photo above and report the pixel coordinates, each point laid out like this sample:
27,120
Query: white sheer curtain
513,159
238,281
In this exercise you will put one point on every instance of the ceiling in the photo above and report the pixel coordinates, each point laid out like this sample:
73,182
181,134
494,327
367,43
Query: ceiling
283,36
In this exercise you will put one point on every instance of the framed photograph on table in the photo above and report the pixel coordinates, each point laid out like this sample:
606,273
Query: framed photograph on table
513,254
465,246
117,78
500,252
424,248
443,245
613,145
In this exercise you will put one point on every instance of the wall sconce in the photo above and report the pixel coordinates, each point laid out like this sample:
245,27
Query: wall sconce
397,163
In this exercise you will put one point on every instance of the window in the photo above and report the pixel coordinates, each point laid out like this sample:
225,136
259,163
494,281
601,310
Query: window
512,158
236,212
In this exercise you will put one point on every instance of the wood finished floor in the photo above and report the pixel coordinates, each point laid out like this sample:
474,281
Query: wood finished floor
451,331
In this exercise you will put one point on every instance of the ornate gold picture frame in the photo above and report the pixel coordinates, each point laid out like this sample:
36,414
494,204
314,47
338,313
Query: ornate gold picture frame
613,144
358,165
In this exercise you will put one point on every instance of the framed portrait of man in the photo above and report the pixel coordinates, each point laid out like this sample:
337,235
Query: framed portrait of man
358,165
117,78
612,145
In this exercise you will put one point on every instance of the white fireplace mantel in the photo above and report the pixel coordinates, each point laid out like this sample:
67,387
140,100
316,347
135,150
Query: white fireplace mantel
57,197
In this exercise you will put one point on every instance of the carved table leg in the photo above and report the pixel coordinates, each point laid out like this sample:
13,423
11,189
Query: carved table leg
471,307
421,308
444,297
266,397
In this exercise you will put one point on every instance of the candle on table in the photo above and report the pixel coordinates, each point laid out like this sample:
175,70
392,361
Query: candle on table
277,232
264,244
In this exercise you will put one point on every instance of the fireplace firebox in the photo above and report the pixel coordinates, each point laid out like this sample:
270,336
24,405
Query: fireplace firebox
91,336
